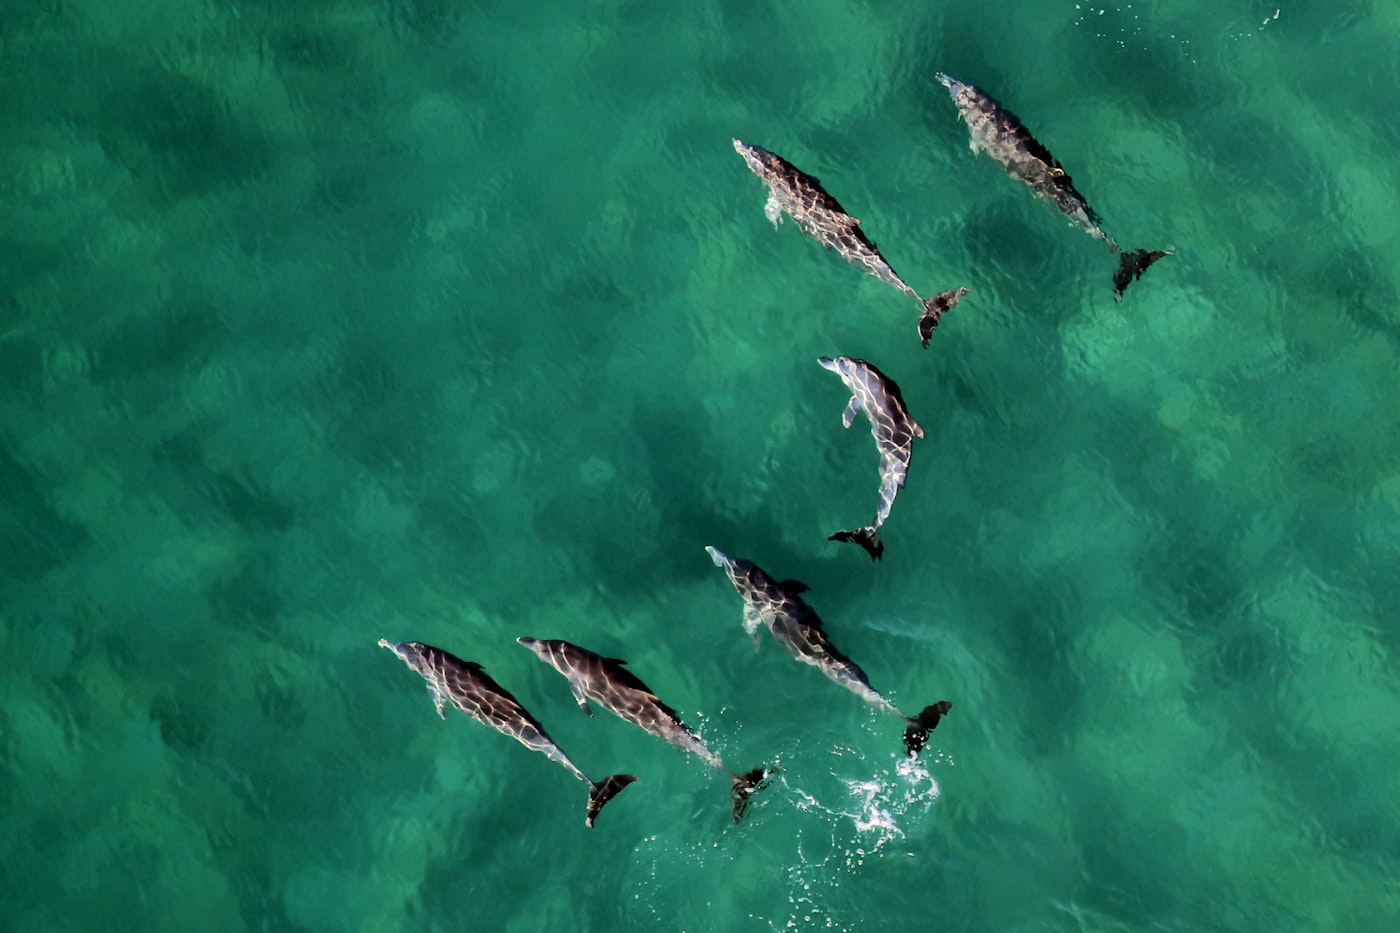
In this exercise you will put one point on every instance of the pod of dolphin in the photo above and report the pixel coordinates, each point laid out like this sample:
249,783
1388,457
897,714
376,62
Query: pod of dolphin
778,606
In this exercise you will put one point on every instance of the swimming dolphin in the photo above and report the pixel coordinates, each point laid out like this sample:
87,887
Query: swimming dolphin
894,430
998,132
466,686
818,214
798,629
594,677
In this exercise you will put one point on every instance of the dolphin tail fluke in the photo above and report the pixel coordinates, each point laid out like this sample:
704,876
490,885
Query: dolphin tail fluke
934,308
918,728
1131,266
601,792
866,537
745,786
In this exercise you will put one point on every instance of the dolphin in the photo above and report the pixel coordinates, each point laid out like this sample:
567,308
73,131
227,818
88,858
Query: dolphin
466,686
594,677
818,214
894,430
998,132
799,630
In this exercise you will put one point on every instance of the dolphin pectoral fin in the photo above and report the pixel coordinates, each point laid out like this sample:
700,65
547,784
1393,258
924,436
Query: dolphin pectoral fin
439,700
752,620
918,727
580,695
848,416
773,208
606,789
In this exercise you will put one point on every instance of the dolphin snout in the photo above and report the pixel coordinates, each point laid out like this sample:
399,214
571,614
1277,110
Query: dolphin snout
719,559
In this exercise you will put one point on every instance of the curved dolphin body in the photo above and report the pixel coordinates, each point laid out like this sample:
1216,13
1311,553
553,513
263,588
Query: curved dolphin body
998,132
796,627
466,686
594,677
818,214
893,429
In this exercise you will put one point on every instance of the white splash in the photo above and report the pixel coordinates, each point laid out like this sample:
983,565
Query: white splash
1129,28
877,806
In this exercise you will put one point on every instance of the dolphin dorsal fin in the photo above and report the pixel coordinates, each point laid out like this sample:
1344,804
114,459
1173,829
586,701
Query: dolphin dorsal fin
794,586
615,660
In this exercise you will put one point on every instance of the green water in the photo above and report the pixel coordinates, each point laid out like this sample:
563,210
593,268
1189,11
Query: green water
459,322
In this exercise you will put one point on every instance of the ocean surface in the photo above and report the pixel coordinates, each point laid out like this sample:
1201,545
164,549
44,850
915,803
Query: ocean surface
455,322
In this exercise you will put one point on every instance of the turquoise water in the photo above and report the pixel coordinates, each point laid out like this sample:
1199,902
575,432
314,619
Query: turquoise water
460,322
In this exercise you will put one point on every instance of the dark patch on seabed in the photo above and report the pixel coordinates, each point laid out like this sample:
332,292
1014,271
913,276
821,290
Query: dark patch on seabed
423,319
34,538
